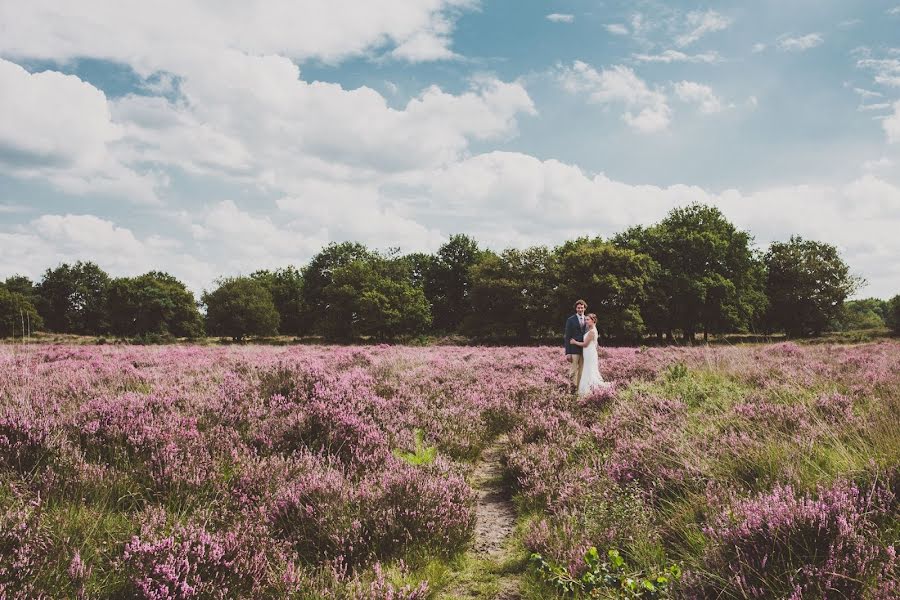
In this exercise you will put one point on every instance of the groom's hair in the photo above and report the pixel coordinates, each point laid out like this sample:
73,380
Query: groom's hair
582,302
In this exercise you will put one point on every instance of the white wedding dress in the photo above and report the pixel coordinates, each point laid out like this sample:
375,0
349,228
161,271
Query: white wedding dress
590,374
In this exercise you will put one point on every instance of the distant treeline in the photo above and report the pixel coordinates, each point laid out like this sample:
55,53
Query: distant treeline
692,273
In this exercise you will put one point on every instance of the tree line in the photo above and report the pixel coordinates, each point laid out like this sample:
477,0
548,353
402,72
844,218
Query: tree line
693,273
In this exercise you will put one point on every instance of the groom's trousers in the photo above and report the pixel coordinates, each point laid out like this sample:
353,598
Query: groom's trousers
575,368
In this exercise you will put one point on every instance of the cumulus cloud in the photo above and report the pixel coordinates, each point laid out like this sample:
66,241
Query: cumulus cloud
671,56
699,94
69,143
646,109
172,34
561,18
700,24
616,28
56,238
801,43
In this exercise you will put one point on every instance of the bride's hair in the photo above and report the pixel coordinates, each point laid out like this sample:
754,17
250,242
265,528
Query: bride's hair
592,317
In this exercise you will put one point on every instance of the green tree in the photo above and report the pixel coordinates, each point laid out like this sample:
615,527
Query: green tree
709,278
286,287
318,275
616,280
153,303
73,299
892,314
375,296
512,294
16,313
240,307
807,283
867,313
448,281
21,284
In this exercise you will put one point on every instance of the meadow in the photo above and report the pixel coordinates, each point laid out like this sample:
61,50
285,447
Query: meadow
757,471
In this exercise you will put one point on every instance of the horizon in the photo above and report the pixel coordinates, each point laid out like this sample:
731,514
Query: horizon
214,142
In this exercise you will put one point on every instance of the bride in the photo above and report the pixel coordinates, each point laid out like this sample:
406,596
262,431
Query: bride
590,376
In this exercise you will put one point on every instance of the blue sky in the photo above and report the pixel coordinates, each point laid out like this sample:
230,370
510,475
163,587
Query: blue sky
212,142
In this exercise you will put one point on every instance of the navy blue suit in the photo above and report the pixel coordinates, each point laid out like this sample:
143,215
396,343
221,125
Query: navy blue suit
576,330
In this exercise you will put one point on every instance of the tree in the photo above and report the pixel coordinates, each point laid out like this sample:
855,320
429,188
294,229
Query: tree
511,294
286,287
73,298
21,284
318,275
709,278
616,280
448,281
892,314
375,296
239,307
16,313
807,283
868,313
153,303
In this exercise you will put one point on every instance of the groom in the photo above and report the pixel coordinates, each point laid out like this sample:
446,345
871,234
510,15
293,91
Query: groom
575,328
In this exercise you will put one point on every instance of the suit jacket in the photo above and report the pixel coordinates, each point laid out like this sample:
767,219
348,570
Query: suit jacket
574,329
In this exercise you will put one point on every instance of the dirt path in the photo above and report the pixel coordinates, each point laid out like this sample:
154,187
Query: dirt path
496,516
485,572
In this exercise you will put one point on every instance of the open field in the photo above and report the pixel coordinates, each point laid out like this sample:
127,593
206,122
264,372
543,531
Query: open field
387,472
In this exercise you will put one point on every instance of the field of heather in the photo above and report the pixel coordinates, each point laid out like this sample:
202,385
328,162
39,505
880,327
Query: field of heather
314,472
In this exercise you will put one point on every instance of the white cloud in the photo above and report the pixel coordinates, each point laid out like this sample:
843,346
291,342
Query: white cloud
894,11
874,107
175,33
892,125
758,47
800,44
52,239
887,70
865,94
877,165
702,23
616,29
561,18
276,126
646,109
699,94
671,56
69,143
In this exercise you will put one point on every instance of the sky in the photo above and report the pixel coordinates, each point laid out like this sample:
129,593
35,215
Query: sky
213,138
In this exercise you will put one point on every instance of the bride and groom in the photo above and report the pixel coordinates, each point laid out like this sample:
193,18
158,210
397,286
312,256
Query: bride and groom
581,350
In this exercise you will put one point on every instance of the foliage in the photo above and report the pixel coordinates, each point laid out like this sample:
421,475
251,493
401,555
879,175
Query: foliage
153,303
16,312
374,296
611,575
615,279
286,287
239,307
421,455
318,275
74,299
868,313
448,281
892,314
709,278
512,294
807,283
